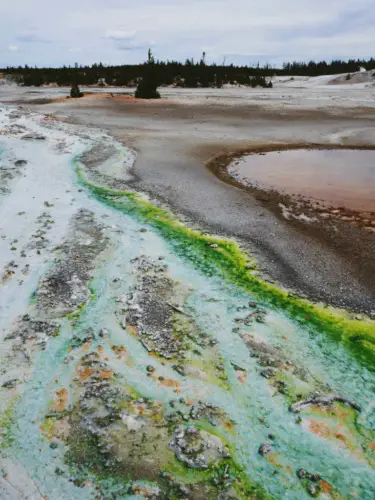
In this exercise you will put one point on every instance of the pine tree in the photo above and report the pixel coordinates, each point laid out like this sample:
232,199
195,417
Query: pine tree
147,87
75,92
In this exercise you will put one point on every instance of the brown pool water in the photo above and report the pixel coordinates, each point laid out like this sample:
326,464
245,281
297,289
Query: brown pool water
339,177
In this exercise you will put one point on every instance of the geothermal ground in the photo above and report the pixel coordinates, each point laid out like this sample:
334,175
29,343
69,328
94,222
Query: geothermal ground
170,327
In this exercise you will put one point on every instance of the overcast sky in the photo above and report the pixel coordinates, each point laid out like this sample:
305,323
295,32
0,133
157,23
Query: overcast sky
46,32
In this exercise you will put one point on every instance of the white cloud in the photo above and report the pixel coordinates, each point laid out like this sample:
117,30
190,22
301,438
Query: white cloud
75,49
13,48
120,34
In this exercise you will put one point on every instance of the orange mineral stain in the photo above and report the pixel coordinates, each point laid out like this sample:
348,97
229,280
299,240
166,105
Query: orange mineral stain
241,376
132,329
273,458
119,350
169,383
84,372
86,346
319,428
341,438
326,488
106,374
142,491
61,399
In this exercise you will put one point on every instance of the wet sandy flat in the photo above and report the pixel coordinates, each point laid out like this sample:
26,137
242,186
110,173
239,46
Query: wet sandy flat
338,177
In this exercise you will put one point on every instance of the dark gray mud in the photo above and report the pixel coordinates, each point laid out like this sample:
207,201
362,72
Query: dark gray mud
173,141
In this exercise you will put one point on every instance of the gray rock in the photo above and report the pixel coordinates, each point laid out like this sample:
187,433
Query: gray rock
268,372
316,400
197,448
265,449
20,163
313,489
9,384
34,136
303,474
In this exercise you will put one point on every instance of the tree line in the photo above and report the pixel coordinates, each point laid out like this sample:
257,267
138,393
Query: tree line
188,74
335,67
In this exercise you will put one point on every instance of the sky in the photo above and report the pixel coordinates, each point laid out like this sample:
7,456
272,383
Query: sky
46,32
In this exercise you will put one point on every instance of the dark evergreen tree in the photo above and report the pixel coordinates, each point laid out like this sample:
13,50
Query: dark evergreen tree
33,79
191,80
259,81
147,87
75,92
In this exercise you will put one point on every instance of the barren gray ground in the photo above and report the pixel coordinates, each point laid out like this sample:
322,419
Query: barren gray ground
175,136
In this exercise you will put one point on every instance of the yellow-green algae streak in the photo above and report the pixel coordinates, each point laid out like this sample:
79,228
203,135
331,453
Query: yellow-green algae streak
212,255
6,423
